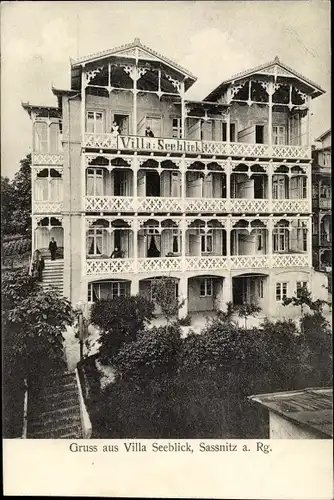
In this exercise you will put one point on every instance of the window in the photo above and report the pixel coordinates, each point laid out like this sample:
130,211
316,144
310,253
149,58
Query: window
123,123
278,134
206,242
280,239
177,128
206,287
94,122
94,241
300,285
94,182
260,288
41,137
110,289
281,291
47,137
232,132
279,188
176,241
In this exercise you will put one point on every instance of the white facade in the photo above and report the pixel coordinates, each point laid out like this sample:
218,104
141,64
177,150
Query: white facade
220,198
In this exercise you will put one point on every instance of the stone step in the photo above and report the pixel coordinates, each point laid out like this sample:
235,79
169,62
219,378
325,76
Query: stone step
57,380
54,404
58,432
56,413
56,422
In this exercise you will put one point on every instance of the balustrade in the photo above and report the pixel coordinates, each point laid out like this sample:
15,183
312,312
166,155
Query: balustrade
238,149
290,206
157,204
193,263
109,204
47,207
47,159
190,205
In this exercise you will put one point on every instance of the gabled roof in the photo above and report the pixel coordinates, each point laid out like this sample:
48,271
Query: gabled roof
127,50
275,68
324,135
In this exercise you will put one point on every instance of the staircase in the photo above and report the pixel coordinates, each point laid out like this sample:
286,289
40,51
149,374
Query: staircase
54,408
53,275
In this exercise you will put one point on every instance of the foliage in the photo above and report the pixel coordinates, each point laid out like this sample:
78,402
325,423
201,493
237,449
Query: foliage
198,386
16,286
248,309
33,333
163,291
16,200
305,302
119,319
33,322
154,351
226,316
186,321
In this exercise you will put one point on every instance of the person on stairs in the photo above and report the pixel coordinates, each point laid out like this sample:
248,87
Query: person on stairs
40,264
53,248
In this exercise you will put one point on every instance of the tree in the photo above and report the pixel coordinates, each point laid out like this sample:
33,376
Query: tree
33,323
248,309
16,200
164,293
304,300
119,319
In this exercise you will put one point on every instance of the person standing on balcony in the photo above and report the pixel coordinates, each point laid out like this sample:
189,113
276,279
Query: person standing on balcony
53,248
116,254
148,132
115,131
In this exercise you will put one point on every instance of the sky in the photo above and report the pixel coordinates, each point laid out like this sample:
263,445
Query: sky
213,40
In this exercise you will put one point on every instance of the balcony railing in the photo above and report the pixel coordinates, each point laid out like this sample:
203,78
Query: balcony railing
47,207
157,204
190,205
290,206
109,204
47,159
193,263
239,149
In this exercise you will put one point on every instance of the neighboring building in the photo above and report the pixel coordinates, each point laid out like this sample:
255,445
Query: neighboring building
322,202
219,198
305,414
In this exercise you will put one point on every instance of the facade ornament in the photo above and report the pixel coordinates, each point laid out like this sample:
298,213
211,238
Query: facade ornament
91,74
176,83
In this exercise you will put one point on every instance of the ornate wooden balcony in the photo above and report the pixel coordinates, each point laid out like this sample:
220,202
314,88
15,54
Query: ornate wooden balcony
167,145
193,263
47,207
192,205
47,159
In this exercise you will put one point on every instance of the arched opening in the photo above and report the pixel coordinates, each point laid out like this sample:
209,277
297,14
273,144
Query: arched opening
251,288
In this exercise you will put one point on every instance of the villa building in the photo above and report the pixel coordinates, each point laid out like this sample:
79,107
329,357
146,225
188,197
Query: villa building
219,196
322,202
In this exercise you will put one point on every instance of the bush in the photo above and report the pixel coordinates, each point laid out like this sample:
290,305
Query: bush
186,321
119,319
154,351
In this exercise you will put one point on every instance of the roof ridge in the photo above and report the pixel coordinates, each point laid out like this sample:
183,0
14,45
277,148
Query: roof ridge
136,43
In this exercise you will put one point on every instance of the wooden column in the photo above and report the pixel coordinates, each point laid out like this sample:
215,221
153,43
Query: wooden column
183,112
134,90
270,113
